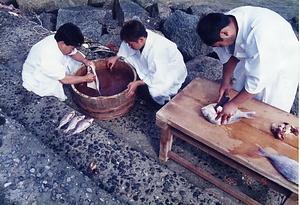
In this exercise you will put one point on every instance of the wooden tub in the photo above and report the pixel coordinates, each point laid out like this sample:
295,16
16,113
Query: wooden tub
112,102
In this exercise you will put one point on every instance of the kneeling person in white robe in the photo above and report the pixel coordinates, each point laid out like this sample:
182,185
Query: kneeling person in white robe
158,62
51,62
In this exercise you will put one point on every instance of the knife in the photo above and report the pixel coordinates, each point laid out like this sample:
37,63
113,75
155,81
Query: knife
225,99
222,102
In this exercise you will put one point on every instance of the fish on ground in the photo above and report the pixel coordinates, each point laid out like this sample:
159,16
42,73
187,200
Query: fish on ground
65,119
73,123
81,126
287,167
210,113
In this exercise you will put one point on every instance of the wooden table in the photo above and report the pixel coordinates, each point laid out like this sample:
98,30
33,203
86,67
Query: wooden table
232,144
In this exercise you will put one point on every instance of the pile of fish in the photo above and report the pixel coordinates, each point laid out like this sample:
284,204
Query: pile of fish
210,113
287,167
281,130
76,124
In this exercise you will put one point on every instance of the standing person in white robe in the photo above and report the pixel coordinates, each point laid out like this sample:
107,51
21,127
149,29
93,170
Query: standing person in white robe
51,62
259,49
158,62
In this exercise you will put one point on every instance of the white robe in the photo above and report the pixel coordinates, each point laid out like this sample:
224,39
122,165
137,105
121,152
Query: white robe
267,48
160,66
45,66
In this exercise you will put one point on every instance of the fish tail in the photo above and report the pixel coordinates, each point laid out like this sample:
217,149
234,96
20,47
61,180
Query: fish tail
261,151
66,131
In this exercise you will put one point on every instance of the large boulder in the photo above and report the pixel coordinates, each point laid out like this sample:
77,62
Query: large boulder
180,28
90,20
127,10
108,4
39,6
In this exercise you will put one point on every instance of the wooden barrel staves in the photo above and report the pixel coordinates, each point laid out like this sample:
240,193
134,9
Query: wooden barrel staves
112,103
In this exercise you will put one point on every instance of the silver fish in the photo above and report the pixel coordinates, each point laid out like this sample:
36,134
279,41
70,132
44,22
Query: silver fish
73,123
95,84
81,126
287,167
210,114
65,119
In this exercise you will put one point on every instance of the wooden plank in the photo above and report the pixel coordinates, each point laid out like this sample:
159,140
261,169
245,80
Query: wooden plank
205,175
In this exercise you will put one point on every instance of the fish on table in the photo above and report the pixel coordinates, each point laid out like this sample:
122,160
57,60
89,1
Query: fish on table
287,167
81,126
73,123
283,129
65,119
211,111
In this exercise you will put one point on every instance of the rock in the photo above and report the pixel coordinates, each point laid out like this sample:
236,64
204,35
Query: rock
108,4
201,10
17,43
39,6
126,10
48,21
89,19
180,28
160,10
206,67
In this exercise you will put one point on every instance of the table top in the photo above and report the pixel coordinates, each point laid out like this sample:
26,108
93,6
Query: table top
239,140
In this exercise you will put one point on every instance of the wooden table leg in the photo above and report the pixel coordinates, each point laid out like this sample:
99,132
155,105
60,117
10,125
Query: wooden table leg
166,140
292,200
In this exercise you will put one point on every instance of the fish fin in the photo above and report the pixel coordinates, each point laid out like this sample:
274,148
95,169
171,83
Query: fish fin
250,115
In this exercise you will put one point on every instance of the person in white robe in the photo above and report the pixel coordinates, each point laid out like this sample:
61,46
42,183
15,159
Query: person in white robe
259,49
52,61
157,61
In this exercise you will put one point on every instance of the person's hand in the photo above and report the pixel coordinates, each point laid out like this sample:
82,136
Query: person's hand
229,109
88,63
89,77
225,88
132,86
110,62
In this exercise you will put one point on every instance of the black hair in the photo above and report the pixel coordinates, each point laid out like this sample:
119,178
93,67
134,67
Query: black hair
70,34
132,31
209,27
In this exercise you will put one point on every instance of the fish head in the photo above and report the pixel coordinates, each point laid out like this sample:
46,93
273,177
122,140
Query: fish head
90,120
80,117
209,111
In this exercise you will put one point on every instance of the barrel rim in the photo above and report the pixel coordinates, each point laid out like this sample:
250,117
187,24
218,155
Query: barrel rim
104,97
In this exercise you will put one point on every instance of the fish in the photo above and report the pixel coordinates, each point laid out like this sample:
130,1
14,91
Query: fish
281,130
81,126
73,123
287,167
65,119
210,112
95,84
